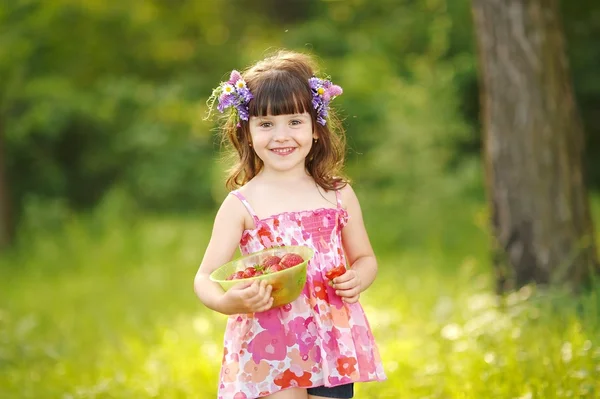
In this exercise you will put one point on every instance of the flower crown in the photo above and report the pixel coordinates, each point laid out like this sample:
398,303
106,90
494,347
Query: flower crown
323,92
235,95
231,94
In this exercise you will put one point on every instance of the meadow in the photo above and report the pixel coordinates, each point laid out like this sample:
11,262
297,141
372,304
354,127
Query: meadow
101,305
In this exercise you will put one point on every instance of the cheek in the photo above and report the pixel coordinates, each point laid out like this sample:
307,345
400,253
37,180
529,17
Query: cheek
257,139
305,136
260,143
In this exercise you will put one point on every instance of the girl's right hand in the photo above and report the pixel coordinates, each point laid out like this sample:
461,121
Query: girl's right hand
247,297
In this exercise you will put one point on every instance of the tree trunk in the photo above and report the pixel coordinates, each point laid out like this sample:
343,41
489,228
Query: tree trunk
6,221
533,146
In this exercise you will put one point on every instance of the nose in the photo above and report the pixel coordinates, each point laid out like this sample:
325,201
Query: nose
281,133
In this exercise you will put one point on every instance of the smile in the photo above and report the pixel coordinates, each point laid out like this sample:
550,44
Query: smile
283,151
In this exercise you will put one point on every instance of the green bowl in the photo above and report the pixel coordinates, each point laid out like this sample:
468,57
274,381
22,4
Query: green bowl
287,284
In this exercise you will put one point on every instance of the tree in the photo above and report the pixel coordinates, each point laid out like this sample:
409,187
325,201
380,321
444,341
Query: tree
533,146
96,95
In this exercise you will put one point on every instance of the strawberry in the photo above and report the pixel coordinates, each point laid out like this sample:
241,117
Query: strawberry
236,276
335,272
270,260
274,268
249,272
290,259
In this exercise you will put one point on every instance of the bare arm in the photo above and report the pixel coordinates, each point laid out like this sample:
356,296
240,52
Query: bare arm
227,231
361,258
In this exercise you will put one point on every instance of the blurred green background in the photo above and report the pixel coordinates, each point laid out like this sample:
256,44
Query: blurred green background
114,178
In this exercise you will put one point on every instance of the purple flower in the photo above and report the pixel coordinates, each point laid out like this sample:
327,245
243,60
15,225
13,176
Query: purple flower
245,94
314,83
323,92
225,101
235,94
243,112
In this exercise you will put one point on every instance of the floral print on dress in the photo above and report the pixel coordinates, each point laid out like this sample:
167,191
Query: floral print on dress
315,340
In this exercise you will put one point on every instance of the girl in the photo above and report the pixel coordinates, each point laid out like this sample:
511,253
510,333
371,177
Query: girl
287,190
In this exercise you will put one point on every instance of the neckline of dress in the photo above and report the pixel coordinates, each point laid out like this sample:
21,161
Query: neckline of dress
316,210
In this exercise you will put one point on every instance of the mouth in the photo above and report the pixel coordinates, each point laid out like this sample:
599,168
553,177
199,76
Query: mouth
283,151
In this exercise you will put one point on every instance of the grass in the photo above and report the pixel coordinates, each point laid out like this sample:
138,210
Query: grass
103,307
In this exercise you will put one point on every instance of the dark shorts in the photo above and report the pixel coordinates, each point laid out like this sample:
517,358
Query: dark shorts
345,391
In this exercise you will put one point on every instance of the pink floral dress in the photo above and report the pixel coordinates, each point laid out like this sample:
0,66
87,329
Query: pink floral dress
315,340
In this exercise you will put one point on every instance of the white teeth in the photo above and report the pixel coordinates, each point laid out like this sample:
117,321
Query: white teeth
282,151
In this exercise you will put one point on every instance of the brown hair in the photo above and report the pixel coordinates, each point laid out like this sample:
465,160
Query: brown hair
279,85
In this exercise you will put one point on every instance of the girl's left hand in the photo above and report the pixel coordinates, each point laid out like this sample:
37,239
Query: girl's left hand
348,286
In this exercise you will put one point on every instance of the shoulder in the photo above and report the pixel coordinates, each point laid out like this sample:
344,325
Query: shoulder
348,195
232,208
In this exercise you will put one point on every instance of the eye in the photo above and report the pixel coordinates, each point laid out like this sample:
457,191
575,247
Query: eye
265,124
295,122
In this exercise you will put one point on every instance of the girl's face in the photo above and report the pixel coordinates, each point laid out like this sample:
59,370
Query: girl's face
282,142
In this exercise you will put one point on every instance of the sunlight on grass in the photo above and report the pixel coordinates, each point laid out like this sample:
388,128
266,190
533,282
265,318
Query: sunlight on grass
106,310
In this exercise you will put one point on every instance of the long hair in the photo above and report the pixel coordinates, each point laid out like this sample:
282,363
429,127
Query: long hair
279,85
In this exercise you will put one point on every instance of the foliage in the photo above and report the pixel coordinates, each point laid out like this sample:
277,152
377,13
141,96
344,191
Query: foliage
99,308
101,107
96,95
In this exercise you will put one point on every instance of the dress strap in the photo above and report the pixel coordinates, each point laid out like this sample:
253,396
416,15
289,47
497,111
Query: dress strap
338,197
245,202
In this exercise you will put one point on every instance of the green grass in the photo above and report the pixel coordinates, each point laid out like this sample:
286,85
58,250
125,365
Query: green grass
103,307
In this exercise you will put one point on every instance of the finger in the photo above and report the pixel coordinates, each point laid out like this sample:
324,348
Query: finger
241,285
344,277
261,297
266,295
264,302
252,290
266,306
347,285
269,291
259,303
261,289
348,293
352,299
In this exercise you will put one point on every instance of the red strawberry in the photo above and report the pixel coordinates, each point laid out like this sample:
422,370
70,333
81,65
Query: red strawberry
335,272
236,275
271,260
291,259
274,268
249,272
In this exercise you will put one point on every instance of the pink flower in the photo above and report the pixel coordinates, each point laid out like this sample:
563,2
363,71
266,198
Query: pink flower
331,340
366,363
270,321
334,381
361,334
334,90
306,333
234,77
267,346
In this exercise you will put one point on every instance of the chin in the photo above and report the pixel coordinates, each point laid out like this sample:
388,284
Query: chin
285,167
